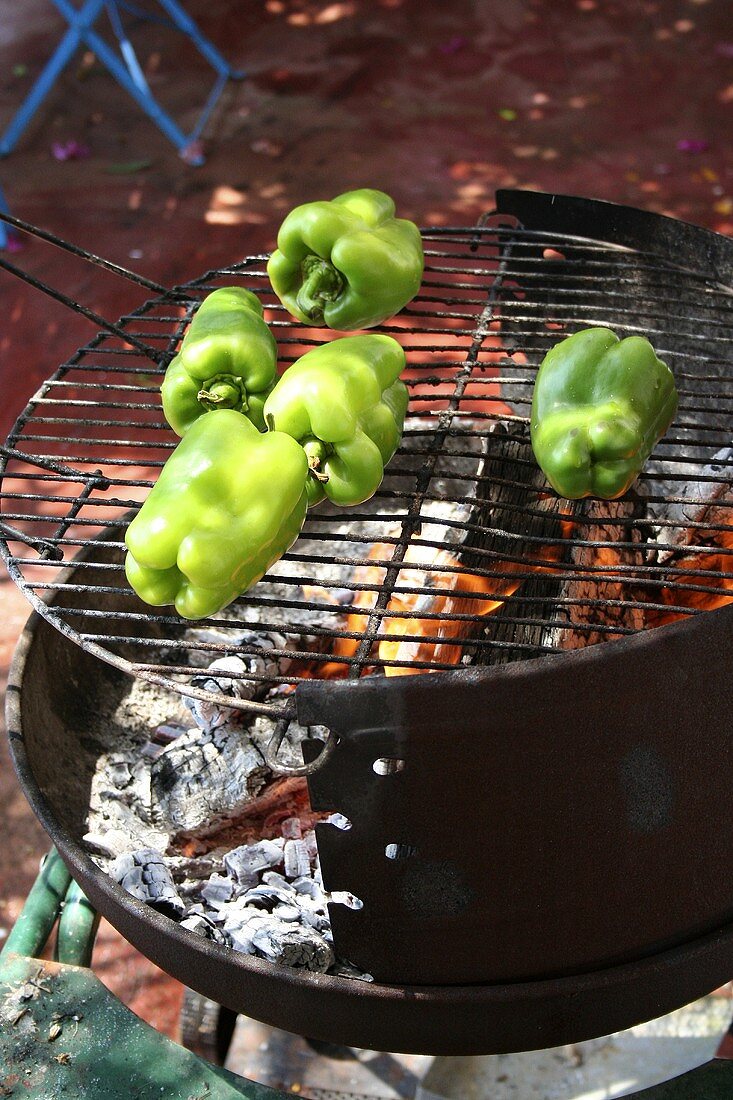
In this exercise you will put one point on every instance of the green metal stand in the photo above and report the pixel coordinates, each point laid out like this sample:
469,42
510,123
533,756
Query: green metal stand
62,1033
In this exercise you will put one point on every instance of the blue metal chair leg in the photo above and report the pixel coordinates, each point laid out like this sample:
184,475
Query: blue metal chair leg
3,229
79,22
127,71
206,48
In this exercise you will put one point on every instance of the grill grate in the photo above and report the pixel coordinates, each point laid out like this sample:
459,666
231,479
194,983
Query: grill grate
462,501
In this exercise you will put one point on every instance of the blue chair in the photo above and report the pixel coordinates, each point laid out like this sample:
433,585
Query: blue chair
126,69
3,228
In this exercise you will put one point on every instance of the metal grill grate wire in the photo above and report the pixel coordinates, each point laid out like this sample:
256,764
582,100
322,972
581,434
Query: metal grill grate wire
494,299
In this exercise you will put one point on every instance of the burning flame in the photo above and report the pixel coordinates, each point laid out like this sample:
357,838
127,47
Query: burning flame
699,570
456,593
425,627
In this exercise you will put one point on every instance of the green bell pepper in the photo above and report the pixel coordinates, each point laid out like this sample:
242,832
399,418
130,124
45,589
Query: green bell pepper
227,360
228,503
345,404
348,263
600,406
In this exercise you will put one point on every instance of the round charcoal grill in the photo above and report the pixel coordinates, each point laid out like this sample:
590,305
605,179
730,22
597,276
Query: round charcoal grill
538,833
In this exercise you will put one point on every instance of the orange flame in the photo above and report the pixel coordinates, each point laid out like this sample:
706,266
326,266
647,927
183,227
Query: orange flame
698,569
431,633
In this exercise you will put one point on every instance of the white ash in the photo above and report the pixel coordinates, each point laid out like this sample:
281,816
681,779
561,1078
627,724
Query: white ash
228,676
703,499
143,874
253,647
204,776
258,899
142,707
120,803
145,793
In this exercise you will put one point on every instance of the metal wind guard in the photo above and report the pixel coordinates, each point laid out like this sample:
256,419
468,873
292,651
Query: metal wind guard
547,818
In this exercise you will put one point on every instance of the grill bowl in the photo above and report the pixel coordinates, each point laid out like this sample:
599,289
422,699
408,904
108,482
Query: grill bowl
54,694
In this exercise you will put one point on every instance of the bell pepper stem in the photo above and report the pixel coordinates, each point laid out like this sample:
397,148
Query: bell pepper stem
316,451
321,283
225,391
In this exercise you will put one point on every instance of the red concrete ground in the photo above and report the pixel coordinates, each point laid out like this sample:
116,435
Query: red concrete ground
437,103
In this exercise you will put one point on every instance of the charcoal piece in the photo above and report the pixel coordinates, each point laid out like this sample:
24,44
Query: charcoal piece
291,829
266,897
207,714
301,948
201,926
204,926
229,675
707,500
144,875
109,844
518,523
204,776
190,871
314,914
272,878
166,732
319,921
218,889
296,858
590,599
197,910
308,887
288,913
241,938
244,863
311,845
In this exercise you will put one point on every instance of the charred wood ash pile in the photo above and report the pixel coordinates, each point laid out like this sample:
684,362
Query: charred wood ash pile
190,821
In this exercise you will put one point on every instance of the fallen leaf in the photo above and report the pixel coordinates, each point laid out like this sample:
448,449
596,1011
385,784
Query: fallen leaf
70,150
692,145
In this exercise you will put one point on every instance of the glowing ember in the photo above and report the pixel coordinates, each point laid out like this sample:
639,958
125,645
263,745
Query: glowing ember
435,606
701,571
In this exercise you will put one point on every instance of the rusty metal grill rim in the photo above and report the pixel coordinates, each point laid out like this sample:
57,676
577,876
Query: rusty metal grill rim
509,266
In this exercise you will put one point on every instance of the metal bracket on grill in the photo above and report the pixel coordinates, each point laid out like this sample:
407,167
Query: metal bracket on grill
310,767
